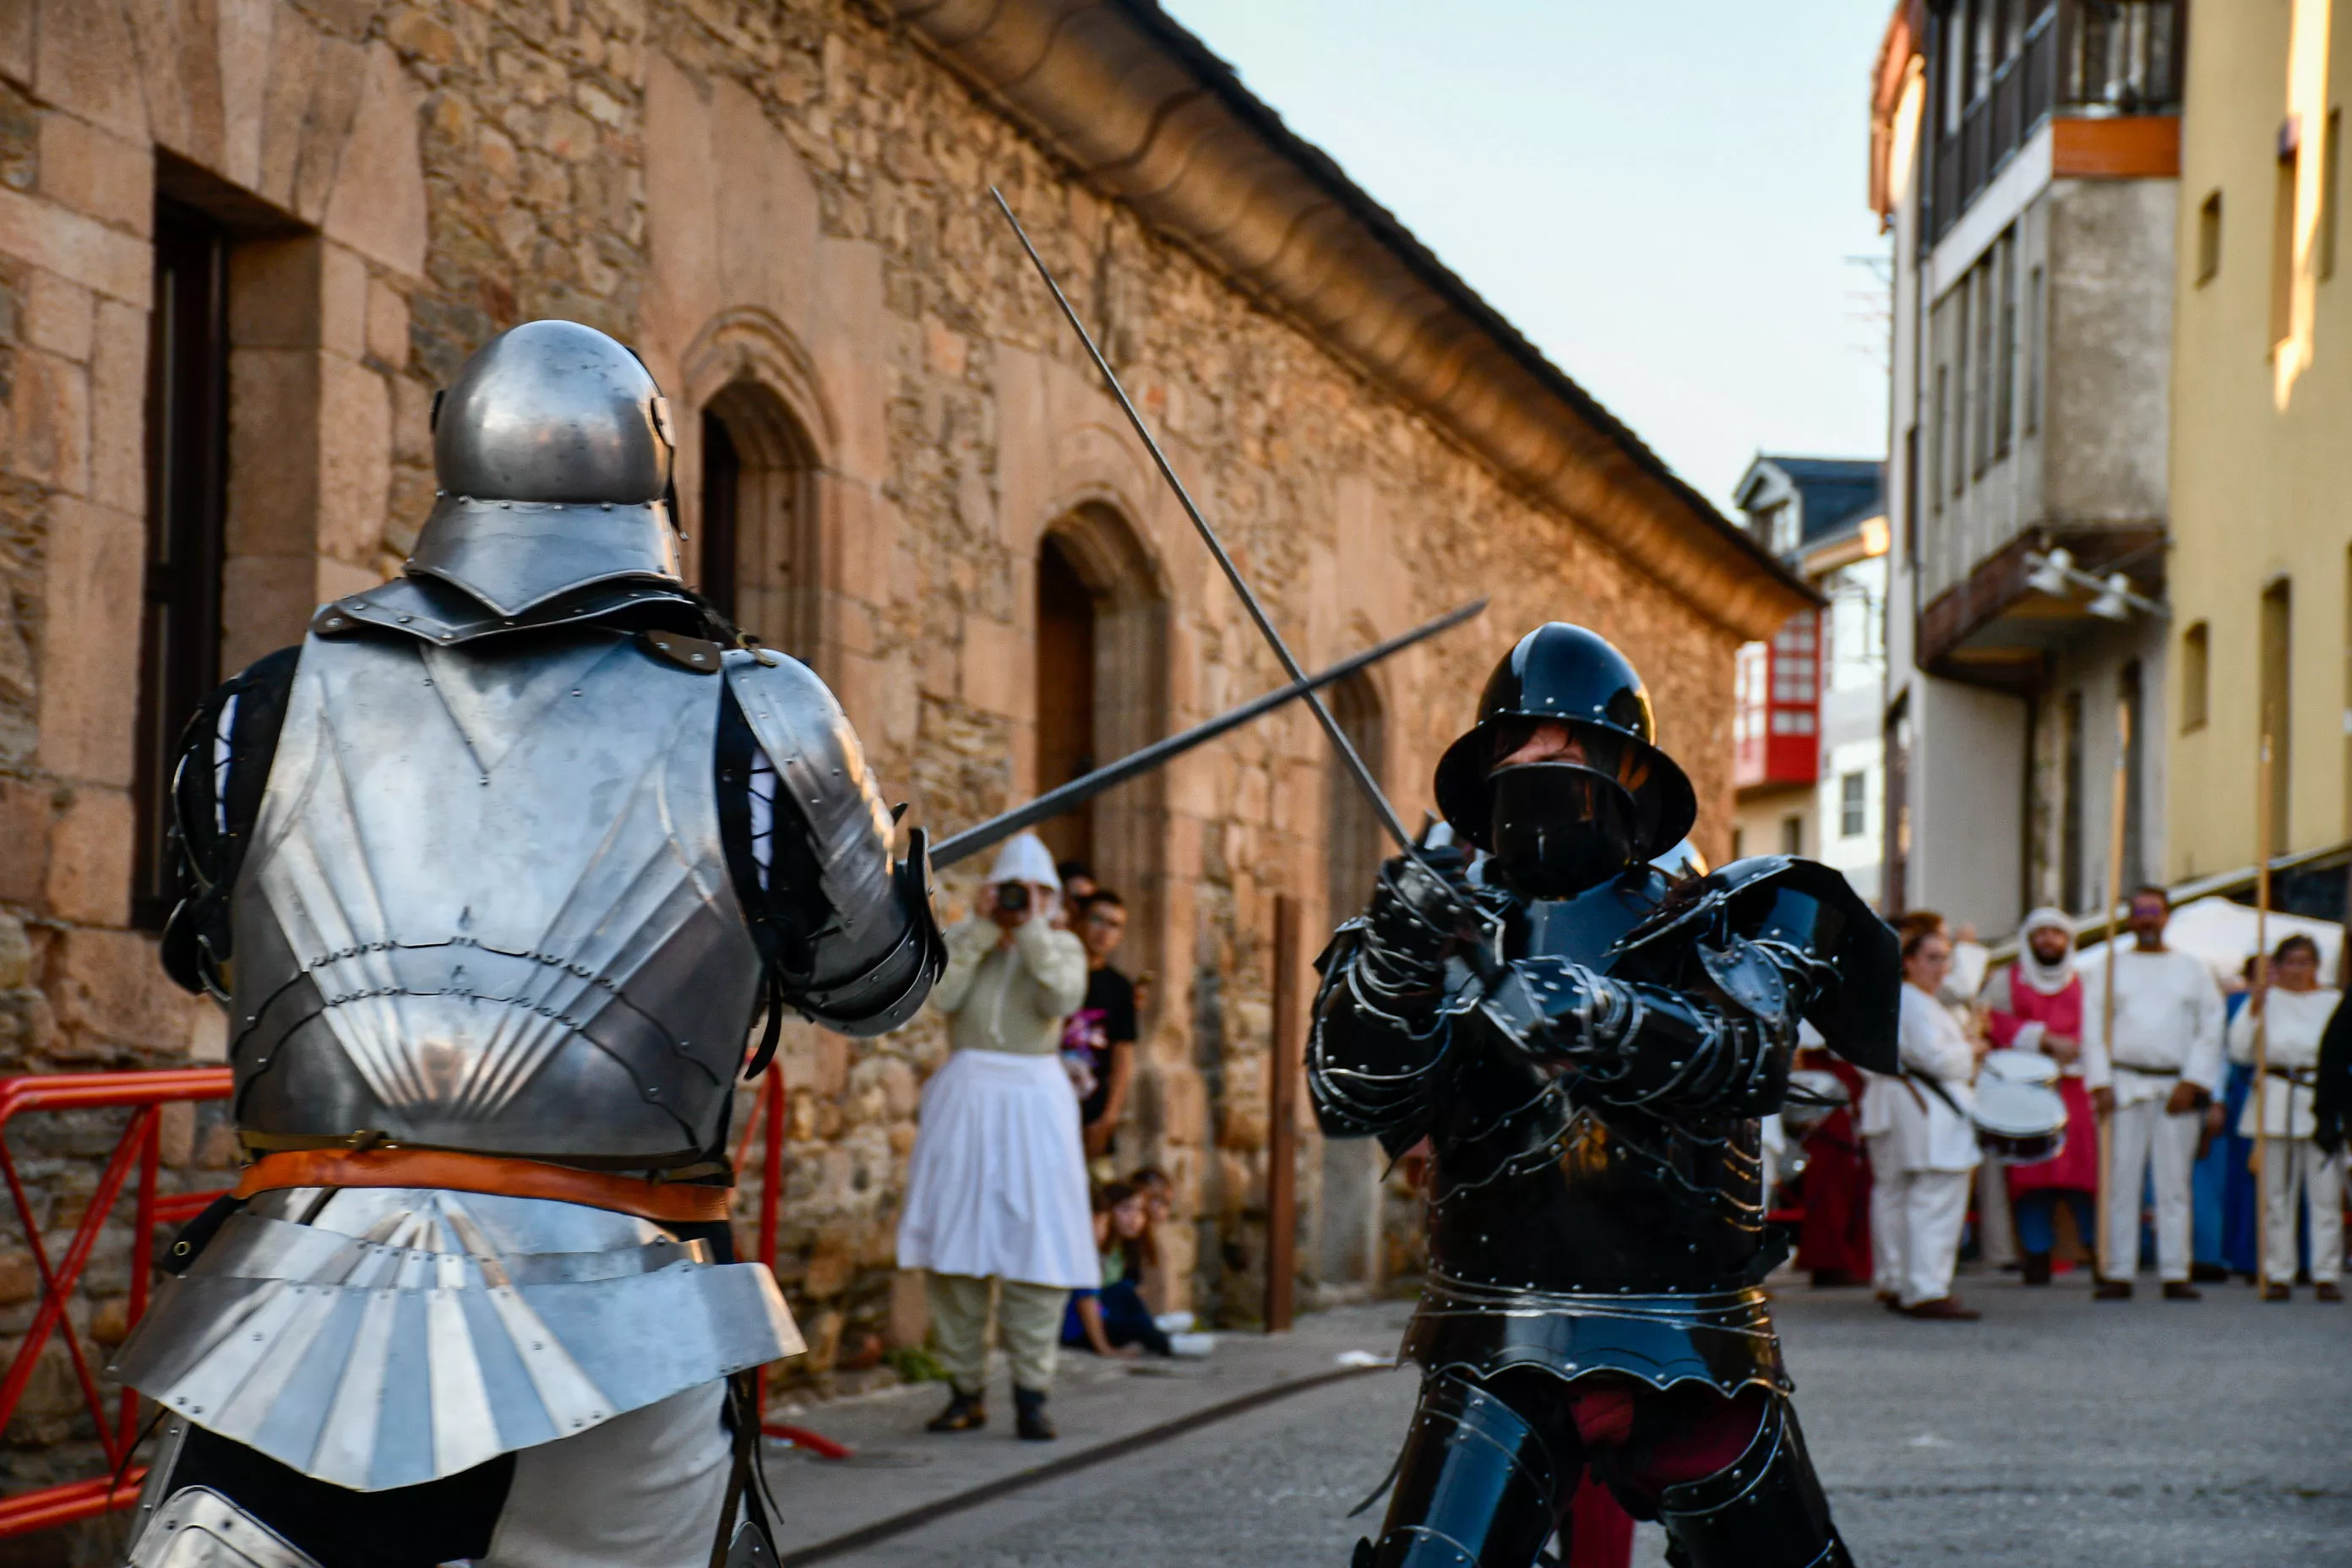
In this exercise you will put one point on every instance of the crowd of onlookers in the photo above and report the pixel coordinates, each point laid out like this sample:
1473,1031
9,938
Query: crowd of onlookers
2149,1075
1012,1211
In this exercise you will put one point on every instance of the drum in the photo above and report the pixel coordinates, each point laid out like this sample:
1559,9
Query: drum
2019,1117
2022,1067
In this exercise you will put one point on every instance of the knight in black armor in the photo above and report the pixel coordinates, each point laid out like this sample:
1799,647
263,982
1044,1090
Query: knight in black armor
1588,1044
493,874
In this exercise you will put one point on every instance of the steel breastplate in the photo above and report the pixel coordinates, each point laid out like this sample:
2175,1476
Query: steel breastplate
487,907
1533,1190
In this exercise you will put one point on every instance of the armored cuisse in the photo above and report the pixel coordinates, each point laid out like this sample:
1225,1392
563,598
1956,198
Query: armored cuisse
492,875
1586,1045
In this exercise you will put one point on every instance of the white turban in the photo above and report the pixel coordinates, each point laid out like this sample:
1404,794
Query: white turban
2047,978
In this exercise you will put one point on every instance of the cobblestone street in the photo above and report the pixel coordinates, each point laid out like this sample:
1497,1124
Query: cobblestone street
2152,1434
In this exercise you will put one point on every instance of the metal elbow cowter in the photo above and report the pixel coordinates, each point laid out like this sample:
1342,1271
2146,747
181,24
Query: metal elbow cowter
876,945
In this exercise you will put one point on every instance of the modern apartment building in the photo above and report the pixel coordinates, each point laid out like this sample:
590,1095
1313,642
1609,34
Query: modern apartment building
2025,156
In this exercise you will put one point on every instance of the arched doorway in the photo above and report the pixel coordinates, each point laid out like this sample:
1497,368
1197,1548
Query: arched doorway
1347,1225
756,557
1101,692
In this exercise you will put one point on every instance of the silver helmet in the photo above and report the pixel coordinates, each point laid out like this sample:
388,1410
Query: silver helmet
553,451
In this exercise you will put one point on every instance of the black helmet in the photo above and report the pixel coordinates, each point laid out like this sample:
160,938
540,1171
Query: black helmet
1566,673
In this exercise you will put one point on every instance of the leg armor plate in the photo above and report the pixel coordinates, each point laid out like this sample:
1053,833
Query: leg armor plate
1764,1510
1476,1486
198,1528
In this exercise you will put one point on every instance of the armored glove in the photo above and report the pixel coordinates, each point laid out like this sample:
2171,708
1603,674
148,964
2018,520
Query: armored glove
1418,910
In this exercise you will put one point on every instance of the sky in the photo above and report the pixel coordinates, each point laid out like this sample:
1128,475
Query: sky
1662,194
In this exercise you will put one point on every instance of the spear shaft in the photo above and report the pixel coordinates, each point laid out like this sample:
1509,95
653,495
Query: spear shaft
1338,737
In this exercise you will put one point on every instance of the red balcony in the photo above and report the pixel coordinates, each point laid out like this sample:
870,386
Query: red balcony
1776,727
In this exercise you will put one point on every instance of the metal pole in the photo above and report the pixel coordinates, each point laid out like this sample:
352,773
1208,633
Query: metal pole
2118,803
2263,831
1339,738
1283,1067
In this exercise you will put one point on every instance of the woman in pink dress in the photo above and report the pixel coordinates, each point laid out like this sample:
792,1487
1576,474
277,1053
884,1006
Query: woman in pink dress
2036,1005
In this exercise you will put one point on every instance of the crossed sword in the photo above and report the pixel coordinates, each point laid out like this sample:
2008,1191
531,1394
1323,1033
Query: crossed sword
1302,685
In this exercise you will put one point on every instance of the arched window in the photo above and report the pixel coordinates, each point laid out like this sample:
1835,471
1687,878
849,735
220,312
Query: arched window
755,552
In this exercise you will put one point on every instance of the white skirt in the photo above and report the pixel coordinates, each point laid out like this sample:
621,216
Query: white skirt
998,1182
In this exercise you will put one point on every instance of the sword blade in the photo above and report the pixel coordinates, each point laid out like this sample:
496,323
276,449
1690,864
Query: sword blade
1338,737
1079,791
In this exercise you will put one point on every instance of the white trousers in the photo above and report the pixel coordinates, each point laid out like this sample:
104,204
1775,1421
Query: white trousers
2142,1140
1885,1216
1915,1220
2293,1166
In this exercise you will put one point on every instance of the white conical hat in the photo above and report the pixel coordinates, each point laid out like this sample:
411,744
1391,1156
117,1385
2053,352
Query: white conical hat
1025,858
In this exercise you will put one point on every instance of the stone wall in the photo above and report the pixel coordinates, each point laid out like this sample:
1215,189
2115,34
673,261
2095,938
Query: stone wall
788,198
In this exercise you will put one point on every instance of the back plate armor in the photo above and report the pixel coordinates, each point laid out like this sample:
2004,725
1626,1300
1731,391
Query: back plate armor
487,908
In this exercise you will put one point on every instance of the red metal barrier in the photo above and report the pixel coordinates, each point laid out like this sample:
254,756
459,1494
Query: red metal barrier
144,1094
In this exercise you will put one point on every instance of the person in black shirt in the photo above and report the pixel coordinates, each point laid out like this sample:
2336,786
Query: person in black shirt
1103,1029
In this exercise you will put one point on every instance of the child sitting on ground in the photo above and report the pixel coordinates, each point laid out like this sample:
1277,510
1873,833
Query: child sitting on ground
1114,1319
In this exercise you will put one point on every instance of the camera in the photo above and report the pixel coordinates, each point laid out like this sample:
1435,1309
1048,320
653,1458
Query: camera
1013,897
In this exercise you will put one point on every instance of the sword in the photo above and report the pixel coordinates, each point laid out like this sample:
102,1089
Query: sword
1355,764
1055,801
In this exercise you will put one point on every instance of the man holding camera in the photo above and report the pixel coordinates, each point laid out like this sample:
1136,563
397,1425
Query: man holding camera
996,1195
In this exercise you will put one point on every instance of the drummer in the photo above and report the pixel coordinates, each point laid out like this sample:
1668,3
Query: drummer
2036,1005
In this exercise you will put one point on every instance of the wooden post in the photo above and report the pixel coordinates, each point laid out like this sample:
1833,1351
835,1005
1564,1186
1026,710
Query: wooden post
2119,806
1285,1064
2263,848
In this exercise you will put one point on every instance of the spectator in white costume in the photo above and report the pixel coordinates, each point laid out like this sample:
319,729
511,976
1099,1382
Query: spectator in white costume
2153,1080
996,1192
1923,1147
2295,1009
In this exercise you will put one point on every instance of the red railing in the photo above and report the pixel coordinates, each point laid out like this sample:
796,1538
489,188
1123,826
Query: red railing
144,1094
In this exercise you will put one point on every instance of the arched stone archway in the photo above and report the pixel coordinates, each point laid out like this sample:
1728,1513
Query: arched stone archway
757,545
753,473
1102,692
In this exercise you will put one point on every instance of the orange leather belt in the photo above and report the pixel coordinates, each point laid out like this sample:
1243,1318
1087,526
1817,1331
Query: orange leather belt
672,1203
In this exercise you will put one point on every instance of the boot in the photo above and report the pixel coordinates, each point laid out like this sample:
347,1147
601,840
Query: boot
2033,1269
965,1413
2182,1290
2113,1291
1029,1416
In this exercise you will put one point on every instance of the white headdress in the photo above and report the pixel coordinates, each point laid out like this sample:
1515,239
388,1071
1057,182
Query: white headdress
2047,978
1025,858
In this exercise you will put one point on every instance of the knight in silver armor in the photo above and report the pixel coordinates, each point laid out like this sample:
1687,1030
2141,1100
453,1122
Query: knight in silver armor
493,875
1588,1041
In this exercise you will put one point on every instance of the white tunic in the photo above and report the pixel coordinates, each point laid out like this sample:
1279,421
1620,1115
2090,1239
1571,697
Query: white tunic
2168,1019
1926,1132
2298,1019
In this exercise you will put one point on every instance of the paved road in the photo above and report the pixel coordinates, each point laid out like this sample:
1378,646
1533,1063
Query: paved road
2055,1431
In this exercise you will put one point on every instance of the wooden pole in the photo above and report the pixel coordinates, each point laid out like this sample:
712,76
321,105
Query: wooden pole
2263,828
2118,805
1285,1067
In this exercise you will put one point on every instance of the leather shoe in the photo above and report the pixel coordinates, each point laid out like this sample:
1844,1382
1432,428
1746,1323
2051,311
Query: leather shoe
965,1413
1029,1416
2278,1293
1945,1310
2182,1290
2112,1291
2329,1290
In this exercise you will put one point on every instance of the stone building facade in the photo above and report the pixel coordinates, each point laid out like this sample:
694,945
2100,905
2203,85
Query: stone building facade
894,463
